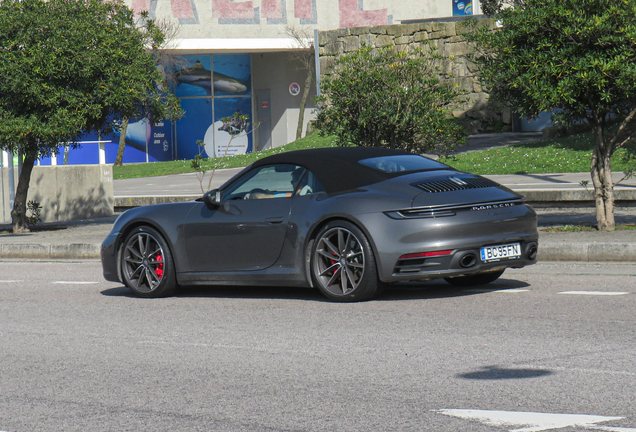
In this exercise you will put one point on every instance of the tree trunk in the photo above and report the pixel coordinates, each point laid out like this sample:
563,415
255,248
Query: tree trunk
303,104
18,213
601,171
122,142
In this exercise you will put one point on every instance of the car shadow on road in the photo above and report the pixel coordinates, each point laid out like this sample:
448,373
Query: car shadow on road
504,373
402,291
442,289
231,291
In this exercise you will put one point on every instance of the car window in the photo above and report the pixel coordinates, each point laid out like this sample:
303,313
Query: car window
402,163
306,183
270,181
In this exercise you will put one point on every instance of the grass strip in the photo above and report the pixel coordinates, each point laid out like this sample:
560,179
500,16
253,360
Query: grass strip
564,155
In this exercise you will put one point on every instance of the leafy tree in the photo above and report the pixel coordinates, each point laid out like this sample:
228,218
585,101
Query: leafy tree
392,98
575,58
71,67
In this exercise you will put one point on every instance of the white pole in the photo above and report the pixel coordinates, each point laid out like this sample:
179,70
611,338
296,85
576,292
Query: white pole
102,152
317,60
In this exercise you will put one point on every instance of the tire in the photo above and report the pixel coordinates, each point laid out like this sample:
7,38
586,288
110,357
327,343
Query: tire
477,279
147,267
342,263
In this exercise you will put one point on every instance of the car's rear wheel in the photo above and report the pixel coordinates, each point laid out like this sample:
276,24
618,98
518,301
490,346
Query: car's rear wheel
477,279
146,264
342,263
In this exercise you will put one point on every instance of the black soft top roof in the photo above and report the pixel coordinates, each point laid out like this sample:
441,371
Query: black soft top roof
337,168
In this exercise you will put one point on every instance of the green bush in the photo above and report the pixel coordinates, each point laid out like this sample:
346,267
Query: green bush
391,98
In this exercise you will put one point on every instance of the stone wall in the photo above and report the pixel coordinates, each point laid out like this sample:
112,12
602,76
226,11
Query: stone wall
473,107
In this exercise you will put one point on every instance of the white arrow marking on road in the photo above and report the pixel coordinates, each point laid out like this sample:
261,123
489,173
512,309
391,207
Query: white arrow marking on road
532,421
601,293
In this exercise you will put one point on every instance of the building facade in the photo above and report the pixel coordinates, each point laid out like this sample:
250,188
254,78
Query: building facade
238,56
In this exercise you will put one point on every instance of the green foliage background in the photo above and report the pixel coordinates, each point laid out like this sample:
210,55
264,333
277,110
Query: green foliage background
577,56
389,97
68,67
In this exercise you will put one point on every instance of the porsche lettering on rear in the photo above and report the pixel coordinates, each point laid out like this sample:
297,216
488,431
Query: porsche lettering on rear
493,206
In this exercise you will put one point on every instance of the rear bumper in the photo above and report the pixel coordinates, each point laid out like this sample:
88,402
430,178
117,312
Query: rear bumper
463,233
462,261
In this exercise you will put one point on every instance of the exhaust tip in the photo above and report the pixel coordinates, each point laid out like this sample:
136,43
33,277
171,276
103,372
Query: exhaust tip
468,260
532,251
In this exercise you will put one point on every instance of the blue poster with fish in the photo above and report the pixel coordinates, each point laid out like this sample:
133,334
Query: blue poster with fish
227,78
232,74
193,76
193,127
462,7
230,135
160,146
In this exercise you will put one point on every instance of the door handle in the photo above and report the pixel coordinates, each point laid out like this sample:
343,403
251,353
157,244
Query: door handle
275,220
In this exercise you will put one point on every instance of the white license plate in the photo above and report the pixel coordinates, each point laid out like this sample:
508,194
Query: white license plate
501,252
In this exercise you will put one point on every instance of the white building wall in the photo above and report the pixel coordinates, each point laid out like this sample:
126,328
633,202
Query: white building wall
222,24
276,72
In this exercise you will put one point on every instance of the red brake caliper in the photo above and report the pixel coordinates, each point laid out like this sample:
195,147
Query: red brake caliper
333,261
159,268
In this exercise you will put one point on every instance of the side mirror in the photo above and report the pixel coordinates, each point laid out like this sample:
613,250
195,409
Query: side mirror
212,199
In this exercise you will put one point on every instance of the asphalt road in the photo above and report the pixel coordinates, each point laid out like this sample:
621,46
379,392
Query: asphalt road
548,346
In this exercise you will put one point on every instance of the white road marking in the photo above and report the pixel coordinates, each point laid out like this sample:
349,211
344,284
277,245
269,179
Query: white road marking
10,281
486,290
75,282
532,421
600,293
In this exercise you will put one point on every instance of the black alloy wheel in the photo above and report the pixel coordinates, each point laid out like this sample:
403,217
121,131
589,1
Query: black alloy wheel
146,264
342,263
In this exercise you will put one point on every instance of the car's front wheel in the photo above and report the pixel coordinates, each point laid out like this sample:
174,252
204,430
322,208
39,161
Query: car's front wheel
342,263
146,263
477,279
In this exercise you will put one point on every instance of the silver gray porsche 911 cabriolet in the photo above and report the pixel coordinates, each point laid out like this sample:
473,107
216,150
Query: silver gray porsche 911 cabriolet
346,220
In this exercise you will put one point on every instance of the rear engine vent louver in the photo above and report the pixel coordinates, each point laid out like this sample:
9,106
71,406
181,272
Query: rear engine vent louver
455,184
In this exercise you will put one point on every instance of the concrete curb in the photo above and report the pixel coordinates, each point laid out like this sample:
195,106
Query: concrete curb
50,251
574,198
587,252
